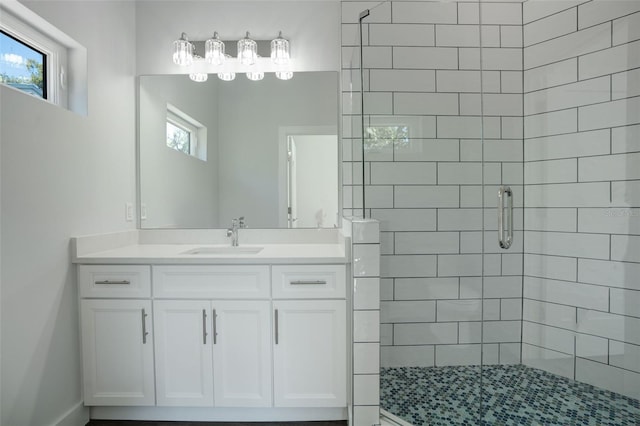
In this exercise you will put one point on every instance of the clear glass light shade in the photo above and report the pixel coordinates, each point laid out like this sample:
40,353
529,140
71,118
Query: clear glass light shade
280,50
214,50
284,75
247,51
255,75
199,77
227,76
183,51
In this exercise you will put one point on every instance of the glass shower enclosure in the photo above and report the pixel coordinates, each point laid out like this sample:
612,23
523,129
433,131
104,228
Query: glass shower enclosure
498,144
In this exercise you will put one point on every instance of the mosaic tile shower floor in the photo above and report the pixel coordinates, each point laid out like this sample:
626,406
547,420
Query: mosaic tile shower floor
514,395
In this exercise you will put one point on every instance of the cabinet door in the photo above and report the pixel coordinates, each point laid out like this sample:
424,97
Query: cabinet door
242,353
184,375
117,348
310,353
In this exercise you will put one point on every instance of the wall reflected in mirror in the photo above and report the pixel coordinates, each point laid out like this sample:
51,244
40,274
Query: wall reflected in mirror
266,150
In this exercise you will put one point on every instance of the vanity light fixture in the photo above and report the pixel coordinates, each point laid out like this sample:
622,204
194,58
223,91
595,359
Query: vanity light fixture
246,60
183,51
247,51
214,50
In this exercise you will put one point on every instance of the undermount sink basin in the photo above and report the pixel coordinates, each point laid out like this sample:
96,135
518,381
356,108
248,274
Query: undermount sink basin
225,250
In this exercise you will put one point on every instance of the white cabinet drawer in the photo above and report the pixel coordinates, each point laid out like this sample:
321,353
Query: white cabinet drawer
114,281
211,282
308,281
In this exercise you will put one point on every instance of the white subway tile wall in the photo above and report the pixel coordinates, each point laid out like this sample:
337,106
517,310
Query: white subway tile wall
582,160
561,91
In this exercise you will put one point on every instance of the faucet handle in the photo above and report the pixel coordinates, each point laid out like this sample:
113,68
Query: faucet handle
234,223
242,224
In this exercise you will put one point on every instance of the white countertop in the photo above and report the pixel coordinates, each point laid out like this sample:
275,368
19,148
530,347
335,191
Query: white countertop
324,253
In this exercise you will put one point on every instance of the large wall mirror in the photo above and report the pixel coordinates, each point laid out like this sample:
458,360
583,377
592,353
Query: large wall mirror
266,150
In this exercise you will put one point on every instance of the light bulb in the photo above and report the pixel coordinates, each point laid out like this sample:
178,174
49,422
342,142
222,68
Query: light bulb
214,50
183,51
247,51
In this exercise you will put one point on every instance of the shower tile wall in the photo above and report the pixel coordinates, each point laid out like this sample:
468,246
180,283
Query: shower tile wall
423,173
582,174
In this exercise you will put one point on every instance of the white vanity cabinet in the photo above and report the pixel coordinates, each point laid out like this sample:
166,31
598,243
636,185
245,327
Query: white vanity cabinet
117,339
219,336
310,341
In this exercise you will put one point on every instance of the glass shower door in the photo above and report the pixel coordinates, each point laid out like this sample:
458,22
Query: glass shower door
419,160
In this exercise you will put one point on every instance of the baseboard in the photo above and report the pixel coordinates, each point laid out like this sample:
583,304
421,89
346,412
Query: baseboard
202,414
78,415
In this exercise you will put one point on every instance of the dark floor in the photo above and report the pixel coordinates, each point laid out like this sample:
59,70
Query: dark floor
137,423
512,395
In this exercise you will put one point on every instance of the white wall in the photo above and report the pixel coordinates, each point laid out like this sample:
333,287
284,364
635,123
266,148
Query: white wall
178,190
313,28
61,175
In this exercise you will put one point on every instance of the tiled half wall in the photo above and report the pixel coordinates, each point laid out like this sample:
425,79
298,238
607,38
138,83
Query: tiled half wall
365,331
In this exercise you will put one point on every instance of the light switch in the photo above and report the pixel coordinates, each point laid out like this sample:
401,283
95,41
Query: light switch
129,212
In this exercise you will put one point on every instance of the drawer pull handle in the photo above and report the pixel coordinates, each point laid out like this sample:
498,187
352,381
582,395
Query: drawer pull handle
109,282
308,282
215,327
204,326
276,325
144,327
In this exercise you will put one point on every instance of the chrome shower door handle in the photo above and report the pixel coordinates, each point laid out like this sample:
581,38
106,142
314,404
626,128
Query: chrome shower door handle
505,242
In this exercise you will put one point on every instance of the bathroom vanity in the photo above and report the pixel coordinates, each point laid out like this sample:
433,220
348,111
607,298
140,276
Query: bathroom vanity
255,332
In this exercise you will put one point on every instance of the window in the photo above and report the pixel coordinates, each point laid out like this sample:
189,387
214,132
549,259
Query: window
379,137
31,59
179,138
22,66
185,134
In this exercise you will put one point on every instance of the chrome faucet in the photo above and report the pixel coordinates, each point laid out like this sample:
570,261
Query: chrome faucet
233,231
